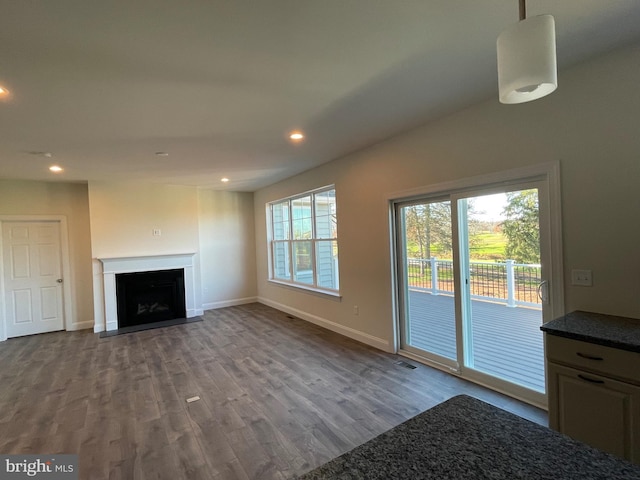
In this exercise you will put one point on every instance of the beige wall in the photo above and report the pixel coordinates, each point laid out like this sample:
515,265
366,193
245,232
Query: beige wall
227,248
123,217
216,226
589,125
71,201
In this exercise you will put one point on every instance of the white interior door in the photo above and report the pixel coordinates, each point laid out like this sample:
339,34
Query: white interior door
32,277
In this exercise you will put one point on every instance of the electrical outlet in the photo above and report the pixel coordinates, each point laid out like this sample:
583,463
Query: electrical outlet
356,310
581,278
156,232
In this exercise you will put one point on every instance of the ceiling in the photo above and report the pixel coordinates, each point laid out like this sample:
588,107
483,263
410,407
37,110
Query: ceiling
103,85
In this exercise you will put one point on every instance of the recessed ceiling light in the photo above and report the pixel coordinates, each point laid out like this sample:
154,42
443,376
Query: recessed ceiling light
224,179
296,136
55,168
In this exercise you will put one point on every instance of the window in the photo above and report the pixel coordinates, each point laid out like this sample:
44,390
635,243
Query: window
303,243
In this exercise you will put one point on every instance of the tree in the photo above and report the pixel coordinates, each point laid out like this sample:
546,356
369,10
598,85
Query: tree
428,228
521,226
416,230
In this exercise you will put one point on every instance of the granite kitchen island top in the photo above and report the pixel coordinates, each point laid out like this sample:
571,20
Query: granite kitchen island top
608,330
467,439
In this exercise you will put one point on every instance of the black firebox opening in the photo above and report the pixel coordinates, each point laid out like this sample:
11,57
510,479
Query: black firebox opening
147,297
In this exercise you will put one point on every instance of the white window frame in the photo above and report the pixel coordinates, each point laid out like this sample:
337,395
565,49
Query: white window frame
291,240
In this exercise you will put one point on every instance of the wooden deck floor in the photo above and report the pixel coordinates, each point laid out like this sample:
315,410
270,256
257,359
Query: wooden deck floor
507,342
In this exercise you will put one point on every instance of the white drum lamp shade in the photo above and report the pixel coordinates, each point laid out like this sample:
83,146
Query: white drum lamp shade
527,60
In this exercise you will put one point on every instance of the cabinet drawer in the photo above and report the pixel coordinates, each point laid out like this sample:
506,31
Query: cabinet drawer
608,361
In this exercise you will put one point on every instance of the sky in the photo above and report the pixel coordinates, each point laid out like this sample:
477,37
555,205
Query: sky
489,207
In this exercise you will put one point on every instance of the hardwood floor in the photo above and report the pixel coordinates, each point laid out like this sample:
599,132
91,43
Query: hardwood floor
278,397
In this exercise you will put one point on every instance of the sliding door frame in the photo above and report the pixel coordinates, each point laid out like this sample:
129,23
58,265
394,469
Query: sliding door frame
546,174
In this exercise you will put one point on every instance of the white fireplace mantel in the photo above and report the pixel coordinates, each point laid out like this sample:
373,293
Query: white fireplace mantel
114,265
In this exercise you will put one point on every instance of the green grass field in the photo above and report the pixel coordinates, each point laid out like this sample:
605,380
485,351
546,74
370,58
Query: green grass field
485,246
488,246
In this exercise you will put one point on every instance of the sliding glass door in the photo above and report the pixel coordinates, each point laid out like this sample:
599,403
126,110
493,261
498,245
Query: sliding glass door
500,267
430,322
472,289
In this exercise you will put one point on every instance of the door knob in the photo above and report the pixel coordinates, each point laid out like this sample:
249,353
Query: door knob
59,280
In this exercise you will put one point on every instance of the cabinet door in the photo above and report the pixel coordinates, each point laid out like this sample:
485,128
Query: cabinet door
596,410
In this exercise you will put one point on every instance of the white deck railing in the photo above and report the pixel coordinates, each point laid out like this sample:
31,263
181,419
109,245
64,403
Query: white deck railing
506,282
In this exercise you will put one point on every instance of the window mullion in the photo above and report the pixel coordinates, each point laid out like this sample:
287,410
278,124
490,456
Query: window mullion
291,259
273,243
314,236
313,263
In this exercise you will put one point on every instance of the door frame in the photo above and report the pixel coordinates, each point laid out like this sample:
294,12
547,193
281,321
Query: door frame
67,306
547,173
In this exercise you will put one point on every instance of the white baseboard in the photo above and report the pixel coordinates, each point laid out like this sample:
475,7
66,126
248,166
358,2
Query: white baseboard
229,303
376,342
81,326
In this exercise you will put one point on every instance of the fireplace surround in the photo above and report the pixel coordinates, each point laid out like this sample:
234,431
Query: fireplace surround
113,266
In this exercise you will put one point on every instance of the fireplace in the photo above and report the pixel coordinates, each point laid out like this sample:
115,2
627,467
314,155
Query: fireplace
147,297
107,268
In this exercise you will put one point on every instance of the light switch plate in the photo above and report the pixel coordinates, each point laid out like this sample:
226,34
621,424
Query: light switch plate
156,232
581,278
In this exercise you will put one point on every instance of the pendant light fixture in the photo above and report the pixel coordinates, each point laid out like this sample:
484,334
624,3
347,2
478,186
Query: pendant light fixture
527,59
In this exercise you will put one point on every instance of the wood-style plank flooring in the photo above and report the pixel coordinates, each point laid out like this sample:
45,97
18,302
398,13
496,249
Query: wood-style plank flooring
279,396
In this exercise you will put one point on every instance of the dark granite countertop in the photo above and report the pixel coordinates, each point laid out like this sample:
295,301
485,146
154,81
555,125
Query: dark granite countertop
608,330
465,438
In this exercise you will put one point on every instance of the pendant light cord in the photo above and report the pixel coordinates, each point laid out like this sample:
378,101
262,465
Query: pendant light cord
523,10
